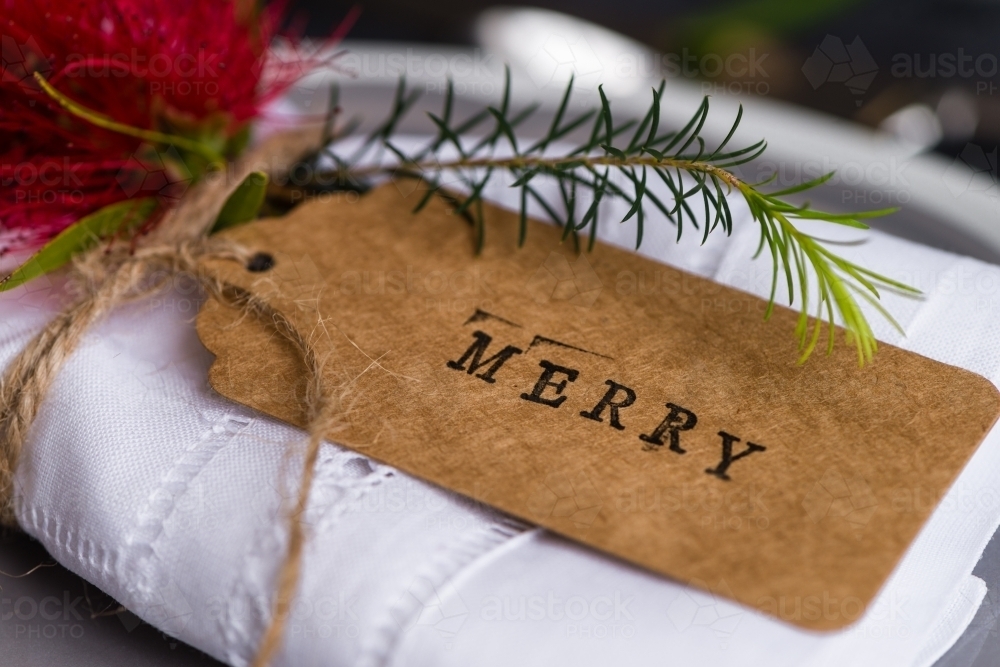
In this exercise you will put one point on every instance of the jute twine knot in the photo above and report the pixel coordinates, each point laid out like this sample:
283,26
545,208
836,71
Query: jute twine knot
109,278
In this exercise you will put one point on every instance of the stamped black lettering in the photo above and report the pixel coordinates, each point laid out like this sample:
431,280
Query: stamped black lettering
677,420
608,401
545,381
476,351
728,457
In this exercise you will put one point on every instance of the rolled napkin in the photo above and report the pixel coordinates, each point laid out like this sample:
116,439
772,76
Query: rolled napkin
142,480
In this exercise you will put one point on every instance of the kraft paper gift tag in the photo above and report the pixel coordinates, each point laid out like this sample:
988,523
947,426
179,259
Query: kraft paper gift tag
645,412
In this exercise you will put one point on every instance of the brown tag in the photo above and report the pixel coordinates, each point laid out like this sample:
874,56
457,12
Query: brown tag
604,396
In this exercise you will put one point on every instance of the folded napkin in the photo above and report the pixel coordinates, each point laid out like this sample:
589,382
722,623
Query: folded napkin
142,480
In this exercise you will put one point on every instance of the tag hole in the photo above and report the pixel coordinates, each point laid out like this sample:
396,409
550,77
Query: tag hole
260,262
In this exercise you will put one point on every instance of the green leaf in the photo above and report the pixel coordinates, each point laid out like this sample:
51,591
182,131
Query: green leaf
201,148
244,204
504,126
79,236
614,151
606,114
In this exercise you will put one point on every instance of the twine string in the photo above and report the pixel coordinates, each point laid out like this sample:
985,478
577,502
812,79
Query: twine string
110,278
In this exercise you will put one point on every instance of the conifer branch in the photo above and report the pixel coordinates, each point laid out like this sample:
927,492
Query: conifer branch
638,153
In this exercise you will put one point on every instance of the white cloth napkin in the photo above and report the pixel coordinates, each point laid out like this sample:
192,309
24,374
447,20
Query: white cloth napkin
141,479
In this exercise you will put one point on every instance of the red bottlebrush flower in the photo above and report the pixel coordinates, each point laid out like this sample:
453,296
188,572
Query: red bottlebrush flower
189,68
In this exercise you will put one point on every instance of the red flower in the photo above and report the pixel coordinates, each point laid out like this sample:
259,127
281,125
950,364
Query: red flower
191,68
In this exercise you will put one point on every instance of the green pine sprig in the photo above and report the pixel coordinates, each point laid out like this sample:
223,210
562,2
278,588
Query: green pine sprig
696,175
